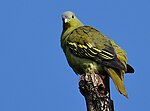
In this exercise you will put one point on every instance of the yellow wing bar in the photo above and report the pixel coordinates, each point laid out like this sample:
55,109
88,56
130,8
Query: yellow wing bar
87,50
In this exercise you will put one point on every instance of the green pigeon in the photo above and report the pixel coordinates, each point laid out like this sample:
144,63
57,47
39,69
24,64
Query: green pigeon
88,51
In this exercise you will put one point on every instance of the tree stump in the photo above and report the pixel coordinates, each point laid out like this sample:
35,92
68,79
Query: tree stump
96,91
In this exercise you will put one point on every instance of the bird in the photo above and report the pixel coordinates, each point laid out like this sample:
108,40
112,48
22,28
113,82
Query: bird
89,51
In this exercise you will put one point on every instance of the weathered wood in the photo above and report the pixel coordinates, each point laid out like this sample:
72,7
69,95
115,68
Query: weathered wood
96,91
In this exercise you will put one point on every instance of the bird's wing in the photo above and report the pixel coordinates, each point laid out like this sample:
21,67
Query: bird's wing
121,54
87,42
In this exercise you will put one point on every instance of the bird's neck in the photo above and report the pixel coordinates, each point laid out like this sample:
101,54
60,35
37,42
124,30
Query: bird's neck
68,27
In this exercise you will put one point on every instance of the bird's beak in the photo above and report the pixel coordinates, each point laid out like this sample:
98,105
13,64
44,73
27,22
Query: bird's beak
66,20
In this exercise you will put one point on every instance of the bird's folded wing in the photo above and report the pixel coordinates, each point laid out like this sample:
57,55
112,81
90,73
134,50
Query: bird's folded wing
87,42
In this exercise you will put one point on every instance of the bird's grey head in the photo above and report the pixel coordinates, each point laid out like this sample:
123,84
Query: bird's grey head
67,16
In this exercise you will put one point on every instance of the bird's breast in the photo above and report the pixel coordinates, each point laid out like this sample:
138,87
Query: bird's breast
83,65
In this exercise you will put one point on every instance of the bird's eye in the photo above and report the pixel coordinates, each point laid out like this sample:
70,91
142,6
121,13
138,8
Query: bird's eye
72,16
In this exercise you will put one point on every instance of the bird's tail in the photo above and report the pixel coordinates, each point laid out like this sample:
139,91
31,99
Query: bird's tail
118,79
130,69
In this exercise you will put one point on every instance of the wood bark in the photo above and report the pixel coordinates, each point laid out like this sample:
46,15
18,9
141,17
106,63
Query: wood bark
96,91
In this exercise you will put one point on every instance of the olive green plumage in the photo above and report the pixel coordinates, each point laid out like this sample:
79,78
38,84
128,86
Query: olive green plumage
89,51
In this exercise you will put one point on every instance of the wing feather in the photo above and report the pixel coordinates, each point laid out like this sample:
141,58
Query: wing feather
87,42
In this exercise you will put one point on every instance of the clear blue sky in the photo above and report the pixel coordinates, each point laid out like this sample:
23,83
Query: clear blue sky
34,74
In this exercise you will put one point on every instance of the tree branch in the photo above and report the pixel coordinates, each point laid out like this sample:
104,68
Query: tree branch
96,91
